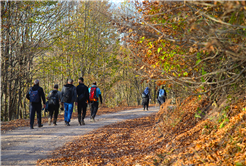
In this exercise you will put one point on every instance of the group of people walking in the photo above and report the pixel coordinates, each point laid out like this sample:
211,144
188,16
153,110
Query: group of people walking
80,95
161,96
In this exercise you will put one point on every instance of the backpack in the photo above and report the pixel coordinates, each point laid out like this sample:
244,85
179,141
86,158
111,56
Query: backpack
144,95
34,96
53,99
68,95
92,95
161,93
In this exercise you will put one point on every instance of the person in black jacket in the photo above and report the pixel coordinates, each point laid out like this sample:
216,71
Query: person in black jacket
34,95
83,99
54,98
68,97
145,98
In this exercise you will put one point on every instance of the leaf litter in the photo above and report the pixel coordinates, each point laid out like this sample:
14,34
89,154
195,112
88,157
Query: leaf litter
176,135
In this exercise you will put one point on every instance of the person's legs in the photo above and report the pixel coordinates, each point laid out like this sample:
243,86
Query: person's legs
79,112
32,115
84,107
70,111
94,110
91,108
50,114
39,107
65,112
56,109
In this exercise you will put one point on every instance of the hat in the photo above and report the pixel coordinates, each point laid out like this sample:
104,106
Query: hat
56,86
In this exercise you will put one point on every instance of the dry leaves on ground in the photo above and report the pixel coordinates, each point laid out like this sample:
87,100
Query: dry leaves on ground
125,143
188,138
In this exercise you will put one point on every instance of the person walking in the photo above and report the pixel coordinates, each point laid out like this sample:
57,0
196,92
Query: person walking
94,94
83,99
146,98
54,97
68,97
34,95
161,95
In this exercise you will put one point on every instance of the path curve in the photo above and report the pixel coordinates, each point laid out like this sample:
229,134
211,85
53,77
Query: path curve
24,146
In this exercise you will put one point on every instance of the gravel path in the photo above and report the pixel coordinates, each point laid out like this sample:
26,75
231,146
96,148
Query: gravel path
24,146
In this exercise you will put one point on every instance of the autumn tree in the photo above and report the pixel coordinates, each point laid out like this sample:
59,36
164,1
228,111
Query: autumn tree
197,47
27,32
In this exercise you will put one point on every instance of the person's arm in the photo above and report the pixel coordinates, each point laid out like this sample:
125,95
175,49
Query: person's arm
28,94
89,89
100,96
75,94
43,96
158,93
62,92
87,94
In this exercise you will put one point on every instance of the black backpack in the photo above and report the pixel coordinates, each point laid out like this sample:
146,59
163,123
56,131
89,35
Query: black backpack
53,99
68,95
34,96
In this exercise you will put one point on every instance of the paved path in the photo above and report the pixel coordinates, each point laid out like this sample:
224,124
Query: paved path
24,146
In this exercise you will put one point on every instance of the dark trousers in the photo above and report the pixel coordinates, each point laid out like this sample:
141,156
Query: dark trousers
82,106
161,100
145,103
94,108
53,110
35,108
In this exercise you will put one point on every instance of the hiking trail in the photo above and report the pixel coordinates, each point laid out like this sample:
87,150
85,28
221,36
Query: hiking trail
24,146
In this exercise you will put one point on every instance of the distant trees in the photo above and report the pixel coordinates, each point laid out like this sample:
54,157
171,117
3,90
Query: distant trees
194,47
27,29
53,41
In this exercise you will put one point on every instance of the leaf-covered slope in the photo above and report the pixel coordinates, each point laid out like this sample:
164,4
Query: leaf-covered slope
217,138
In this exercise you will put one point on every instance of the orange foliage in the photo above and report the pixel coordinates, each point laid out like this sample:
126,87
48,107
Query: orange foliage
140,142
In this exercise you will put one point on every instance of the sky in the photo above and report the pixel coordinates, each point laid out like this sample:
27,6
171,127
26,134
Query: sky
116,1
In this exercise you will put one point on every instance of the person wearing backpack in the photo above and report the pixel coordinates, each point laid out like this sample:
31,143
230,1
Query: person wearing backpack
94,94
145,98
68,97
53,104
161,95
34,95
83,99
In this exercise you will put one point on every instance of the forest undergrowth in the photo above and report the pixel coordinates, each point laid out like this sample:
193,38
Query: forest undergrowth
192,132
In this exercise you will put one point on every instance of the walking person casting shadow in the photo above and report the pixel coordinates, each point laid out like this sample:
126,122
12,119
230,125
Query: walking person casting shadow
83,99
161,96
94,94
53,104
68,97
146,98
34,95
